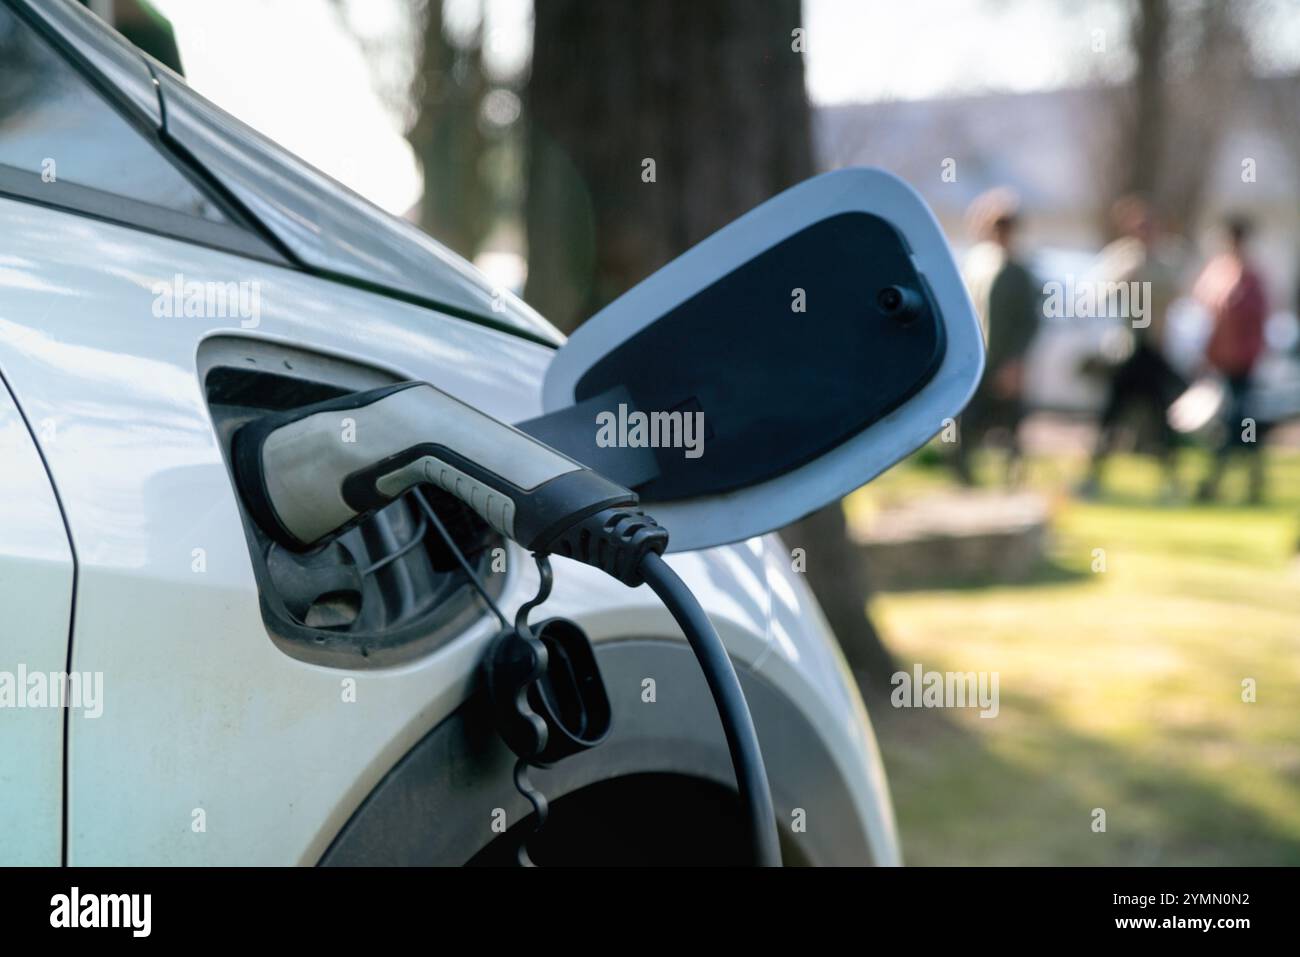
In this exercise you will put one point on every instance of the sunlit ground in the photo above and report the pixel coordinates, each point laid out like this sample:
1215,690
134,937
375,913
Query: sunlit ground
1120,690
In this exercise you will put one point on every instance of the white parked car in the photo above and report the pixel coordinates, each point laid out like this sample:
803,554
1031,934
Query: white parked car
179,687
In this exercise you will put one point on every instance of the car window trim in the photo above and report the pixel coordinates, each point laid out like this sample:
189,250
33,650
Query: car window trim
243,235
25,186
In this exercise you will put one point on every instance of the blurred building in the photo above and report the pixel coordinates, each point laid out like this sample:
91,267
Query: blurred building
1048,147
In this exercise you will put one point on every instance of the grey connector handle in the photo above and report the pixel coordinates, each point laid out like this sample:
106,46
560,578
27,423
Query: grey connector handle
309,473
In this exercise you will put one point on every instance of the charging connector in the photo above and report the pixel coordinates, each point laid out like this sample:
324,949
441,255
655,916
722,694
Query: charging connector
310,473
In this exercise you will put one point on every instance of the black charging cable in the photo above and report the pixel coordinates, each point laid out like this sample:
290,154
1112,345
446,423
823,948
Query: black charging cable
537,657
465,566
742,739
724,685
628,544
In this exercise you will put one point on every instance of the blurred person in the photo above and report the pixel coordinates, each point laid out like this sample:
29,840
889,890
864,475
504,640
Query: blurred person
1008,301
1144,380
1231,288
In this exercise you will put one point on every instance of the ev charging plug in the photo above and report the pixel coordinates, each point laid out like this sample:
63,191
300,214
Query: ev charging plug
310,473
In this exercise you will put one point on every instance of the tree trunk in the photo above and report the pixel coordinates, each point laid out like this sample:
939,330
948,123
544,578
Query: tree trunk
447,138
711,93
652,125
1146,133
1165,125
838,573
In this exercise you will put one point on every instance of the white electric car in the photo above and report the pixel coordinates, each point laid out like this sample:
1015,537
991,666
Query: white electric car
177,689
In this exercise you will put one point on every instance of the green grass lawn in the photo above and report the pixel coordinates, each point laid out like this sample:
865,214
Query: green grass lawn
1120,690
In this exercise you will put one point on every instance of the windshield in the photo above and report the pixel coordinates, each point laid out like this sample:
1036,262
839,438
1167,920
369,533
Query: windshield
331,229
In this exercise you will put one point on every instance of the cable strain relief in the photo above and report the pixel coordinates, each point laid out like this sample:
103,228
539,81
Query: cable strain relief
614,540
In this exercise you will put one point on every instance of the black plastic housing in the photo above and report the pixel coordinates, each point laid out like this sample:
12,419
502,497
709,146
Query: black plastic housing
386,591
547,694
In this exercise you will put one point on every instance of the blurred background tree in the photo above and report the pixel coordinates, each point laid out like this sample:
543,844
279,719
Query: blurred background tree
711,93
651,126
139,22
447,93
1191,61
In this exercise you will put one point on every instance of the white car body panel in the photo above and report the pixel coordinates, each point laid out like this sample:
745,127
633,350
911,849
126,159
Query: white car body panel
205,719
36,581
